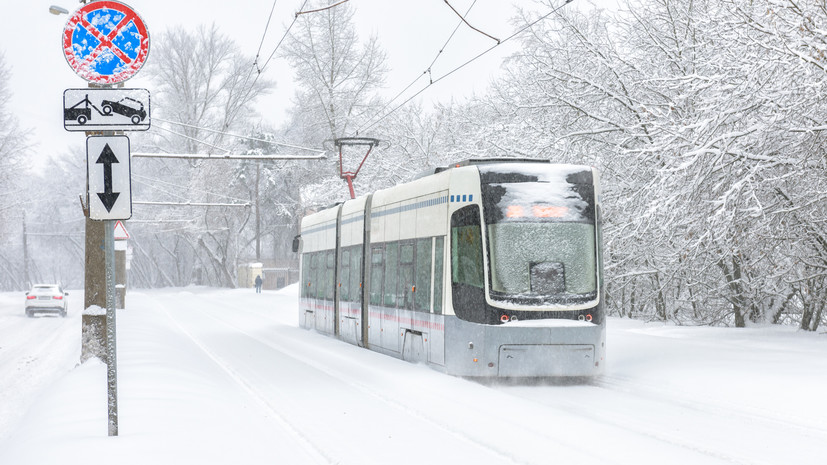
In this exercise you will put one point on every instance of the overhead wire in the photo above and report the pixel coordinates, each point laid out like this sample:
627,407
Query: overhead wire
229,154
153,183
427,70
261,44
266,28
189,189
518,32
236,135
320,9
260,69
192,138
469,24
286,32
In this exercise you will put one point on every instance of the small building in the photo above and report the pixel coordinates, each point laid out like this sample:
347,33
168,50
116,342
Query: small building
276,278
275,274
247,274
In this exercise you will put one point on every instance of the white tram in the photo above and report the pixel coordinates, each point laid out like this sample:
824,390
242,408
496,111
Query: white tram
488,268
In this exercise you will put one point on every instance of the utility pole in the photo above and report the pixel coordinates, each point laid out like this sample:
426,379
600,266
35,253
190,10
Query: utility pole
26,281
258,214
93,325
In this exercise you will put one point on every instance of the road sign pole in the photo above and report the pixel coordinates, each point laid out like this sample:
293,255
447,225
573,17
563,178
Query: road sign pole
106,42
111,349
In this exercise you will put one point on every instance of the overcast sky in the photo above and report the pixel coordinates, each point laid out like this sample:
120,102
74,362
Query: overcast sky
411,32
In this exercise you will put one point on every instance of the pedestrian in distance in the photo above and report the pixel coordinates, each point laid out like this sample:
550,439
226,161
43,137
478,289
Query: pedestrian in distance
258,284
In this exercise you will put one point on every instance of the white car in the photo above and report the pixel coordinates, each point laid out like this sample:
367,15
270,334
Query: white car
46,298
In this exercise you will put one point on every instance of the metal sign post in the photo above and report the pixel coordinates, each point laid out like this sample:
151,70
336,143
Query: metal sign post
110,199
111,349
106,42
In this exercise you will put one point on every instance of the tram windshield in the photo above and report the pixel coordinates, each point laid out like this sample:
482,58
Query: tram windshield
540,222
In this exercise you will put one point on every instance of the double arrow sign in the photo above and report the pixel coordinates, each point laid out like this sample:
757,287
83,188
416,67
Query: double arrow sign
109,173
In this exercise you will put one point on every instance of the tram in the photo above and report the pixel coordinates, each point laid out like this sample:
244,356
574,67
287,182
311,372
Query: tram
485,268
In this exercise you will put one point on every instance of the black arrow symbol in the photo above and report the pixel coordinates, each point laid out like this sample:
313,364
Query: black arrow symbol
107,157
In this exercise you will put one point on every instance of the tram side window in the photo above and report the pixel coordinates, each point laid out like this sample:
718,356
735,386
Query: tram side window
305,274
356,274
466,247
344,269
422,294
330,282
406,275
439,264
391,266
377,271
321,275
311,279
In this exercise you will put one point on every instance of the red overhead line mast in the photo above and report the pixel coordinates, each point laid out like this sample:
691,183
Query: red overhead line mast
340,143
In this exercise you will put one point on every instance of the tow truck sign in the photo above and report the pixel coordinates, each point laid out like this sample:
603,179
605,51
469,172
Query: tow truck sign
96,109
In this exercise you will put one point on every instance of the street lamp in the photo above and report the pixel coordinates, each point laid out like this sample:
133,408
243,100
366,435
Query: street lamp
56,10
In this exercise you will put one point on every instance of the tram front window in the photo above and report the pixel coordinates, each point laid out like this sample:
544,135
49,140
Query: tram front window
540,225
545,261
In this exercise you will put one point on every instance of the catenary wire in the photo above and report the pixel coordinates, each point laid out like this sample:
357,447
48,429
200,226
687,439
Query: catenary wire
258,52
469,24
427,71
320,9
215,131
518,32
266,28
146,179
192,138
260,69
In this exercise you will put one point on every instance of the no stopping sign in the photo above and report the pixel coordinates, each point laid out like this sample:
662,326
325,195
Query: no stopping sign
105,42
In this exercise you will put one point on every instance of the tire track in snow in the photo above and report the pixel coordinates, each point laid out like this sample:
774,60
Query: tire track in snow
754,414
31,357
351,380
361,387
315,451
639,425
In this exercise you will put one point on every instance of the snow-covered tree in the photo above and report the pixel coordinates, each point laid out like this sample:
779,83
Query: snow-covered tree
206,90
338,79
706,120
13,146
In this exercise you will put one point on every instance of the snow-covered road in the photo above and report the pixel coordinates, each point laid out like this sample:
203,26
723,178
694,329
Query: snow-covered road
212,376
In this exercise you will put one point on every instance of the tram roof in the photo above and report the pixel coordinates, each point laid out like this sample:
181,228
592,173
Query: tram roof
479,161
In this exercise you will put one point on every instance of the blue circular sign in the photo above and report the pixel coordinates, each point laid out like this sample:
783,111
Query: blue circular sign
105,42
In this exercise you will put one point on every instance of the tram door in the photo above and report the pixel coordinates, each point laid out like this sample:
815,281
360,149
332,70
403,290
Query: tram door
350,312
377,272
390,297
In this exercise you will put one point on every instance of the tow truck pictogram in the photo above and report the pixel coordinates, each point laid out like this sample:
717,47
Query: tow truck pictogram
81,114
127,106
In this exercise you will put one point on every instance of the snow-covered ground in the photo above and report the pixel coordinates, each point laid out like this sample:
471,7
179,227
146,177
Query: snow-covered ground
210,376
